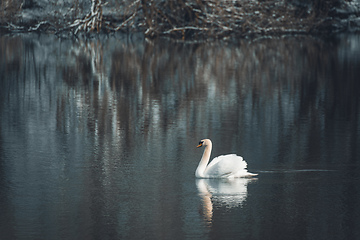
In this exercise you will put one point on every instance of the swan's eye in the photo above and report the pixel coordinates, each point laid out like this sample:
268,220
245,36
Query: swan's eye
201,143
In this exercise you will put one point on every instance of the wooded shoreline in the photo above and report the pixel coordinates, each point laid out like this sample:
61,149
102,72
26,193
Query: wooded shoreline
192,19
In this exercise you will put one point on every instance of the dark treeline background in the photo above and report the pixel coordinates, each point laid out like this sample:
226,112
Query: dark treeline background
182,18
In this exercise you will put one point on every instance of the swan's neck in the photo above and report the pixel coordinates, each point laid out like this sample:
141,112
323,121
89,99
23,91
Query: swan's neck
204,161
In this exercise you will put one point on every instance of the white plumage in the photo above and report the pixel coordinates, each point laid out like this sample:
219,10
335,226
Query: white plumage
224,166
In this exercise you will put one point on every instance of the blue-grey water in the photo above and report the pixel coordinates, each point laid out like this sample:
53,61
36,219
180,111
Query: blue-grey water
98,137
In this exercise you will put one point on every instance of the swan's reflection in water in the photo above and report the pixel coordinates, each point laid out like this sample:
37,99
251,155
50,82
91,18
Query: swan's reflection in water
222,192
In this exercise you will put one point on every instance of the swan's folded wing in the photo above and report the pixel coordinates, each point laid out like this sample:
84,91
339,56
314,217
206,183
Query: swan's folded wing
225,166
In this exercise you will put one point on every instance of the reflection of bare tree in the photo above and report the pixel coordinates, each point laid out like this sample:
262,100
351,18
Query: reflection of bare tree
147,87
10,52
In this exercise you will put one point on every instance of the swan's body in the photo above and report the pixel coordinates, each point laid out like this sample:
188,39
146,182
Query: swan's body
224,166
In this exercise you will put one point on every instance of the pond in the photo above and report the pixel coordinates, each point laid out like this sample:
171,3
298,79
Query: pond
98,137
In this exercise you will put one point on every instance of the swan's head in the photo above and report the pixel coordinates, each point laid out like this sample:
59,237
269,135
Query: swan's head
204,142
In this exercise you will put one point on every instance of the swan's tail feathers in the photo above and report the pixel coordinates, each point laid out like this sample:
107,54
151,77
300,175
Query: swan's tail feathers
250,175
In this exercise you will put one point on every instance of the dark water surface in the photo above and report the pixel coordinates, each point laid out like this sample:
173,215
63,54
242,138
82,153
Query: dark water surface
98,138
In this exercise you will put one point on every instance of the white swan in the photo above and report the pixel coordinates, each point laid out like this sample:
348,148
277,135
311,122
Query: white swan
225,166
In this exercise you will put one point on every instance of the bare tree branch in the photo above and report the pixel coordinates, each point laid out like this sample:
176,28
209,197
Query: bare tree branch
92,21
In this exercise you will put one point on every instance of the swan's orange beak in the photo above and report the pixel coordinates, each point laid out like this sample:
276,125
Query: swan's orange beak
200,145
